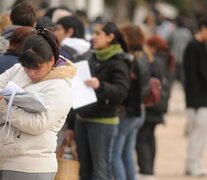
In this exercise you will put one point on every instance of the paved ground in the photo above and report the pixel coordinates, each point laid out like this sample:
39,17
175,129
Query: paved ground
171,141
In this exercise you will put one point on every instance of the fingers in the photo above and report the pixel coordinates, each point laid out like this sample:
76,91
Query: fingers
93,82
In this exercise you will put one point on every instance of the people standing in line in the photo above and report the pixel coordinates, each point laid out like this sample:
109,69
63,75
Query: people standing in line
23,14
195,83
29,150
97,124
162,67
10,57
132,113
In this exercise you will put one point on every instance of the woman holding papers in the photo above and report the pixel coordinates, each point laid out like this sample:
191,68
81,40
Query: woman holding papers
97,123
28,140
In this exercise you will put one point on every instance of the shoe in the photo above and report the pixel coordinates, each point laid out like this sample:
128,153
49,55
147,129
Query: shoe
145,177
199,172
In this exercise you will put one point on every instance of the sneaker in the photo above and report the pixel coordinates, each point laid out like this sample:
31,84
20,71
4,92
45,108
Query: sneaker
199,172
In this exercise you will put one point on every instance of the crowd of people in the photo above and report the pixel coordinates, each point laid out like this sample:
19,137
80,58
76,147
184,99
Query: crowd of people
38,52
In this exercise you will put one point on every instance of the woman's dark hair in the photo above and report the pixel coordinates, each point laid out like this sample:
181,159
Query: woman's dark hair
110,27
73,22
39,48
17,38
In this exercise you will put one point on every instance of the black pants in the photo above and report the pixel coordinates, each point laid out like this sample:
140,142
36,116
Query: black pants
146,149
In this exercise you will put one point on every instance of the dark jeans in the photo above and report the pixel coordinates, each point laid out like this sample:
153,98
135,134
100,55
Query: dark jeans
95,144
146,149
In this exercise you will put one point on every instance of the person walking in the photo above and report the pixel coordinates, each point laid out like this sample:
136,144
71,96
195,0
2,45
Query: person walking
195,83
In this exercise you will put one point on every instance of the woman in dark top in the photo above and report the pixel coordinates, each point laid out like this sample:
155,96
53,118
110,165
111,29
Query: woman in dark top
162,67
97,124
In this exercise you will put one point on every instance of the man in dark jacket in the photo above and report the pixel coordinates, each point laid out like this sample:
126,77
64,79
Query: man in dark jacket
195,65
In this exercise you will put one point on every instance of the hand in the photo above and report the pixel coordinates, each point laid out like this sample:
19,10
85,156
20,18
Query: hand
93,82
69,136
1,97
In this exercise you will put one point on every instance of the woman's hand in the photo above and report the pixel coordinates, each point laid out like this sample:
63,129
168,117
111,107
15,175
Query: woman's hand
93,82
1,97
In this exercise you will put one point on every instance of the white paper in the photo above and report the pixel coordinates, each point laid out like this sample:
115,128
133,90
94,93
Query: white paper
82,94
29,101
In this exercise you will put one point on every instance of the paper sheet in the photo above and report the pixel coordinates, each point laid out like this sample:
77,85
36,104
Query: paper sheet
82,94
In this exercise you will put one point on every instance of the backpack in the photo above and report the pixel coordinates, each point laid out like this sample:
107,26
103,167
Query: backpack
159,93
154,95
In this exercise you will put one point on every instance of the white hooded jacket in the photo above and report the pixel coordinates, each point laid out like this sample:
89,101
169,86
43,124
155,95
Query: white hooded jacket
31,144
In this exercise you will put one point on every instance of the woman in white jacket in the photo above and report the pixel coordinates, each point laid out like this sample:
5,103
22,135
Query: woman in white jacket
28,151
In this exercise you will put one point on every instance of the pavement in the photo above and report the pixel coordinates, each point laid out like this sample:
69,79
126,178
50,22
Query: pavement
171,141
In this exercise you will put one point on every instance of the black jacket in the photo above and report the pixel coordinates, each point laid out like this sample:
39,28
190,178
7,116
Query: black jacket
139,85
195,74
113,75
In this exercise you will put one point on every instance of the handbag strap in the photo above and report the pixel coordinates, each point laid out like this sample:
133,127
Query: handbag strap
8,116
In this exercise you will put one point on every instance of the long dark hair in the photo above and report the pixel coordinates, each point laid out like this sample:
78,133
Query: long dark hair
39,48
110,27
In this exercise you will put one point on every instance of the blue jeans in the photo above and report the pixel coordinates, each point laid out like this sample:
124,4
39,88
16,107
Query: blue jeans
124,147
95,144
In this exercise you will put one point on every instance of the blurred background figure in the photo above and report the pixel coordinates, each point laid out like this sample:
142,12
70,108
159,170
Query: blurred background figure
10,57
70,32
195,65
162,68
58,12
87,24
178,42
132,112
4,23
23,14
45,22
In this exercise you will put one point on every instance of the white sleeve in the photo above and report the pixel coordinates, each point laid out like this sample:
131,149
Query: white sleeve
8,75
58,102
